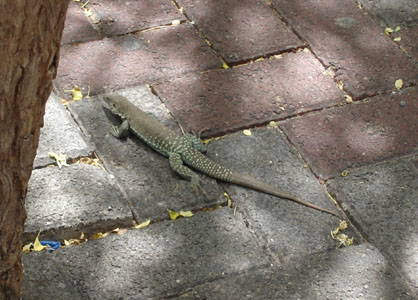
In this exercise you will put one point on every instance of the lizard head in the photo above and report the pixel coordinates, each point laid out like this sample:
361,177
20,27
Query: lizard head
113,102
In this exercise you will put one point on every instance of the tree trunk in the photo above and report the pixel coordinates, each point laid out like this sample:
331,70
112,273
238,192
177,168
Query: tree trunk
30,35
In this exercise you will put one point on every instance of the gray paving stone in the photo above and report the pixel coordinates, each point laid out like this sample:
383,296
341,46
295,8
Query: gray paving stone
382,201
241,29
59,134
162,259
145,175
289,230
393,12
79,198
359,272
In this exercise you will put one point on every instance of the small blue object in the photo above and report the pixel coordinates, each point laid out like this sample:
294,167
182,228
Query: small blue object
52,245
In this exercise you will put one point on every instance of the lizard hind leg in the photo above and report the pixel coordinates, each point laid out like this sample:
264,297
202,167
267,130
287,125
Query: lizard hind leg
195,142
176,163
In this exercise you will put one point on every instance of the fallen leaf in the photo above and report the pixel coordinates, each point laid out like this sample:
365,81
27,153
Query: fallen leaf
388,30
397,28
186,214
143,224
27,248
37,246
273,124
348,99
246,132
344,173
175,22
173,215
398,84
224,65
76,93
398,39
61,159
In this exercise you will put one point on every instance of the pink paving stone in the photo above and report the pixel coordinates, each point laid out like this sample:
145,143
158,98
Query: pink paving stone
142,58
226,100
240,29
343,36
77,27
120,16
339,138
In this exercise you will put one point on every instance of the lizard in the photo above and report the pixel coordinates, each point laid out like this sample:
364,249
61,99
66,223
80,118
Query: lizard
184,151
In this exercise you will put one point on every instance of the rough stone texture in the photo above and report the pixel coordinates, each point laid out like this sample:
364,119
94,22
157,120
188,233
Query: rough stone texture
409,37
145,175
240,29
393,12
339,138
342,36
359,272
162,259
60,134
382,201
119,62
79,198
289,230
227,100
77,27
121,17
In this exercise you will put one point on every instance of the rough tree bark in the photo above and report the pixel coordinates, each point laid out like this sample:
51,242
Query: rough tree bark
30,35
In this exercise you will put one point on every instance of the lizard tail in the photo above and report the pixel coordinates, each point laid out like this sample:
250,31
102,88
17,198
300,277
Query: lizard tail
252,183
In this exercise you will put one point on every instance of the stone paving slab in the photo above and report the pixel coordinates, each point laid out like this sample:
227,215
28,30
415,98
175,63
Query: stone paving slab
344,137
59,134
121,17
342,36
241,29
79,198
227,100
393,12
125,61
77,28
288,229
382,201
145,175
359,272
403,13
162,259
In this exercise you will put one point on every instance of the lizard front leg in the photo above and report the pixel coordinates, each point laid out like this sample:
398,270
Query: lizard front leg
121,131
176,163
195,142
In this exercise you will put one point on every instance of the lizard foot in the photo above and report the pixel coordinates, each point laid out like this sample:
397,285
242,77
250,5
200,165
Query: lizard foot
195,182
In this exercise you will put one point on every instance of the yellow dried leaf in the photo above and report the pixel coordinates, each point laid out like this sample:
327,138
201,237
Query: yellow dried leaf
186,214
388,30
76,93
27,248
259,59
228,199
99,235
348,99
344,173
143,224
397,28
398,84
224,65
67,243
61,159
273,124
398,39
175,22
37,246
173,215
246,132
